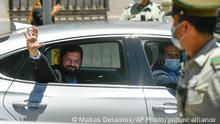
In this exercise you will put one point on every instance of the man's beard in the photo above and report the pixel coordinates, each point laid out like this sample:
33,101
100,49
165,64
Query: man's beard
69,69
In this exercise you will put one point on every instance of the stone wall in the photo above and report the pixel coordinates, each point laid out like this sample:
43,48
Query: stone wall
4,17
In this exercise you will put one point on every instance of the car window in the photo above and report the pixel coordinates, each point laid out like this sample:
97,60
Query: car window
103,62
151,50
151,47
17,66
101,55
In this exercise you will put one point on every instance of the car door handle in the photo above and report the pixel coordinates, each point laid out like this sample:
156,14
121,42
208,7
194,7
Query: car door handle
169,108
27,105
165,107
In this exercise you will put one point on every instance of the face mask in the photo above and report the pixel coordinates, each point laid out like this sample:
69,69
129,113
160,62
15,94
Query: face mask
174,40
172,64
137,1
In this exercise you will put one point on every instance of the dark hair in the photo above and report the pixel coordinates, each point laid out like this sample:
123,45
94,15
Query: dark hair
202,24
162,48
74,48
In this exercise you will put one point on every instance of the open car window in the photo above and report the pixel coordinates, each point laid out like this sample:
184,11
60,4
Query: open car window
103,62
151,48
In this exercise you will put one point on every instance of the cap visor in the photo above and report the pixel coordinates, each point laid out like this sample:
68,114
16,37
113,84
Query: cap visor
173,12
169,13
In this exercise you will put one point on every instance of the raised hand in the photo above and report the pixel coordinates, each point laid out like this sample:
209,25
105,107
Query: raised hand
56,9
32,41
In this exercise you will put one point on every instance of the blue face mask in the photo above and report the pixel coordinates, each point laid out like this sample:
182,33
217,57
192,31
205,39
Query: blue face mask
172,64
174,40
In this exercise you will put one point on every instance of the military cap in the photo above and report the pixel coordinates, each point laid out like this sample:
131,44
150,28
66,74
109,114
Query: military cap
202,8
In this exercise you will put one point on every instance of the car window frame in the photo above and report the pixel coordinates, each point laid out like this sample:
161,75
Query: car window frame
144,61
91,40
124,36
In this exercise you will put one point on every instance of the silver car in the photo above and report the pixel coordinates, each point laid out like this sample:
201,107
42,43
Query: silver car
116,84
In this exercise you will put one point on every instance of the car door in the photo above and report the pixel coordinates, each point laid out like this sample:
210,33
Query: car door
161,104
4,85
97,98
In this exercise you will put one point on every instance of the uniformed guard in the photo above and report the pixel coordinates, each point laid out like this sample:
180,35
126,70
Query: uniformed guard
144,10
198,91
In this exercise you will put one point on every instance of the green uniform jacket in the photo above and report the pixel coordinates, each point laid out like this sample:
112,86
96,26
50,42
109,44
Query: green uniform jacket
200,83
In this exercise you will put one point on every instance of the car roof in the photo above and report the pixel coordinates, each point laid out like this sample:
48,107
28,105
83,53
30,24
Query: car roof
79,29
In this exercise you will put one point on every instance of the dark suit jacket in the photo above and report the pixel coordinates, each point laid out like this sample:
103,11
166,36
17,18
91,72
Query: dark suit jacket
46,73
